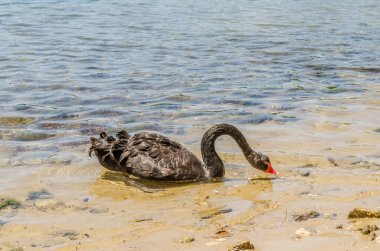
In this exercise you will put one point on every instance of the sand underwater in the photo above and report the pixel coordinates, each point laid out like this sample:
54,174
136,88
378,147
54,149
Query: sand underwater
328,164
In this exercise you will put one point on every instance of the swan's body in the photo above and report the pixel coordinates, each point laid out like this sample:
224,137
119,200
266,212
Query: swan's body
156,157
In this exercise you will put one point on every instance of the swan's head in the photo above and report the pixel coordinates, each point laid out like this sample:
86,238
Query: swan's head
261,162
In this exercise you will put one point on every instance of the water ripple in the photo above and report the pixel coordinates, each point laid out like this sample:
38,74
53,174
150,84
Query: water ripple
79,68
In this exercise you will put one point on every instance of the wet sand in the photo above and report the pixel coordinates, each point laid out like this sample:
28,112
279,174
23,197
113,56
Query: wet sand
328,164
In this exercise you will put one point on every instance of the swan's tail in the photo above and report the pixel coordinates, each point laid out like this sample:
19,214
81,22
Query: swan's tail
100,144
108,149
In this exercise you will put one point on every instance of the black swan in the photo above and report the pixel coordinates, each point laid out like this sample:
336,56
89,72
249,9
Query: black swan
156,157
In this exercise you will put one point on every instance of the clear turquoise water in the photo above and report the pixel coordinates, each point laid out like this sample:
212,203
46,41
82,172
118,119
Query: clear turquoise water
74,69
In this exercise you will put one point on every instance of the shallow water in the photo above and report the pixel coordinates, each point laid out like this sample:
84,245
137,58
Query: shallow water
300,79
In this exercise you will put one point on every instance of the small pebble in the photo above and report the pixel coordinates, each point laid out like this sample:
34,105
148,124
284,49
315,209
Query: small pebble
187,239
372,236
222,234
305,232
304,173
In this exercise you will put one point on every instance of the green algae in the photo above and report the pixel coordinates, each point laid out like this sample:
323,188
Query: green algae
31,136
9,121
9,202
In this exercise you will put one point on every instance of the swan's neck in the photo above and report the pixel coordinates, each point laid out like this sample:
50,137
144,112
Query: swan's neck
213,164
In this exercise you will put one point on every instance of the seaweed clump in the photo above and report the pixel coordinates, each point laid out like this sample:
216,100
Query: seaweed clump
245,245
306,216
9,202
363,213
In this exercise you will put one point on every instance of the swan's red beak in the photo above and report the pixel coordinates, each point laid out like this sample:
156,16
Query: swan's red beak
270,168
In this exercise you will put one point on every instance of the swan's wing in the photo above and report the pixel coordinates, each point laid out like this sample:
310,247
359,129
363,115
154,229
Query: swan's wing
154,156
150,145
